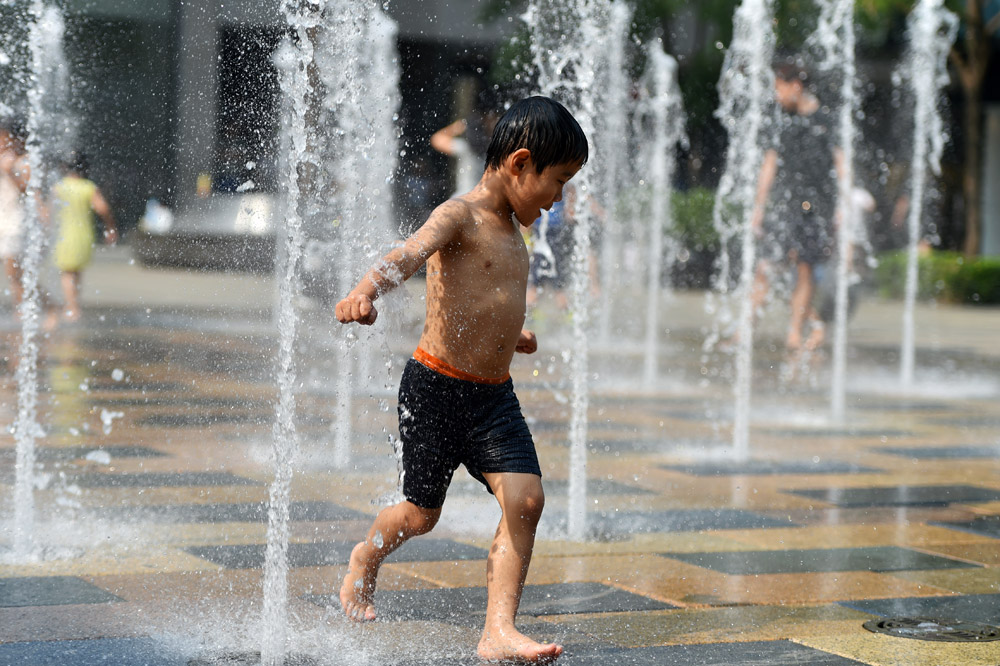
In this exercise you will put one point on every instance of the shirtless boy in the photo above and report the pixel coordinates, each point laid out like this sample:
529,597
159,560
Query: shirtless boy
456,398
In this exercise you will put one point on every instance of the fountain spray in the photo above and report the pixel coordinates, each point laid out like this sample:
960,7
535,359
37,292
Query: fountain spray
566,46
614,162
293,71
342,49
834,35
746,94
931,30
45,97
661,111
357,57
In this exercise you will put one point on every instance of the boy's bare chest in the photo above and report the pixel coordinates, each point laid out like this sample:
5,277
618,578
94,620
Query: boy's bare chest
491,253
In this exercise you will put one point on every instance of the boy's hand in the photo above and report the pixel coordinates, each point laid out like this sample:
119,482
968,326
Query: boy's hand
526,343
357,307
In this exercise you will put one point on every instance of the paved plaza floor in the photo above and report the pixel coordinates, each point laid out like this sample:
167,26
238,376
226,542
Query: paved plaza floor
154,469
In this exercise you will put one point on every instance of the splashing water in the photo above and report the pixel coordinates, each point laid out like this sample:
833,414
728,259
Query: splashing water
357,56
47,93
344,49
661,114
746,97
292,64
614,162
569,53
108,418
931,30
835,36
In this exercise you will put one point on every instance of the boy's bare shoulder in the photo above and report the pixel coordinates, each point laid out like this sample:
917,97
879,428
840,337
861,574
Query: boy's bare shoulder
449,218
456,209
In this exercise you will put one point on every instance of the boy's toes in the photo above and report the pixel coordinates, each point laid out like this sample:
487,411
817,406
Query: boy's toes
359,612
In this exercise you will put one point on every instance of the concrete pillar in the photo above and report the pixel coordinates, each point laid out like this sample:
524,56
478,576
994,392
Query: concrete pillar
197,94
991,181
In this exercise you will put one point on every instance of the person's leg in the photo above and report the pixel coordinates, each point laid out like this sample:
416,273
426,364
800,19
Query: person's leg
15,280
800,305
71,292
761,286
758,294
817,331
521,500
392,527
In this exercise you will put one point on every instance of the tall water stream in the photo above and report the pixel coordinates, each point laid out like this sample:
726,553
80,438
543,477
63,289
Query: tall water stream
339,78
835,36
293,67
661,121
931,30
746,98
47,95
570,54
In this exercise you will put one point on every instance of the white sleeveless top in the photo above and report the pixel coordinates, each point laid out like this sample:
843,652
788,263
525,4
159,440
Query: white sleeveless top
11,215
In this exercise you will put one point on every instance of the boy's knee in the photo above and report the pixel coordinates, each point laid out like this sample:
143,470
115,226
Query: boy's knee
420,520
531,504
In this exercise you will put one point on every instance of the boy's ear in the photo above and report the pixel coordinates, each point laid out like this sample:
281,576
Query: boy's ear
519,160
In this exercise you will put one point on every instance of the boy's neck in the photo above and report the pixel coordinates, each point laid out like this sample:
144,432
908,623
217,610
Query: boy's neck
491,192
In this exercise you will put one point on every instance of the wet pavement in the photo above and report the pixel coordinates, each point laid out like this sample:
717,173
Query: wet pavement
155,466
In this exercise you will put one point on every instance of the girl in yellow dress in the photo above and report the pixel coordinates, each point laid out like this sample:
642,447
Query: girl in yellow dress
75,200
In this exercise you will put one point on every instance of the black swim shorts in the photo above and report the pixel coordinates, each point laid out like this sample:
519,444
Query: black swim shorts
445,422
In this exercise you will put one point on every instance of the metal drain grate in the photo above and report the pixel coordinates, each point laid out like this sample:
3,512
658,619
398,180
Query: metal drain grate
932,629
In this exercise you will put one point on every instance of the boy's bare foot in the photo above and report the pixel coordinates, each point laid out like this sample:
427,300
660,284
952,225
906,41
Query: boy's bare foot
512,647
358,591
794,341
816,337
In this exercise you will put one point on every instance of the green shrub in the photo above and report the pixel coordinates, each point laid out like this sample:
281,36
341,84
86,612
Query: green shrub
947,276
693,219
978,281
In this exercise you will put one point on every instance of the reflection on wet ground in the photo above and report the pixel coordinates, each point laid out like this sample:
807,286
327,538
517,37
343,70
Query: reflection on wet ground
155,472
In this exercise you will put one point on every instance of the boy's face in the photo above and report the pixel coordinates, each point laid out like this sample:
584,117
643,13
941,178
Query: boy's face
536,191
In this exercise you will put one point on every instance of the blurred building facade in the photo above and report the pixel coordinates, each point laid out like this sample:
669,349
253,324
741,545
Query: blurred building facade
168,91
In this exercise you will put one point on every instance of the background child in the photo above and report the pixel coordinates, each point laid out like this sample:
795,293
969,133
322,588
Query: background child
456,399
75,200
13,184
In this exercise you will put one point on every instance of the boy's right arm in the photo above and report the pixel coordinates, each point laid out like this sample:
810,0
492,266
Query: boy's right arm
396,267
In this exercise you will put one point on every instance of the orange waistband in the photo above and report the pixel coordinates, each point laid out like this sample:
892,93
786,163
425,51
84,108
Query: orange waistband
440,367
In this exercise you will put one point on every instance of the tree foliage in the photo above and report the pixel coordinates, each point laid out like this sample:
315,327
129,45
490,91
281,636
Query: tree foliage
704,28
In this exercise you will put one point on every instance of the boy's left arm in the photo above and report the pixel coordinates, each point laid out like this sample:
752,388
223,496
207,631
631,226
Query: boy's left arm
527,343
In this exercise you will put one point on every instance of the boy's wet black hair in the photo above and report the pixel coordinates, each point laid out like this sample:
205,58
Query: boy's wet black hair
543,126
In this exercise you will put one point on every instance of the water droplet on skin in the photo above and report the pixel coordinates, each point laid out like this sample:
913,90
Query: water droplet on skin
378,540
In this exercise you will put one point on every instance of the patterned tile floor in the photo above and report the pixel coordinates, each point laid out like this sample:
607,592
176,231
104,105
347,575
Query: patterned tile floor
154,473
